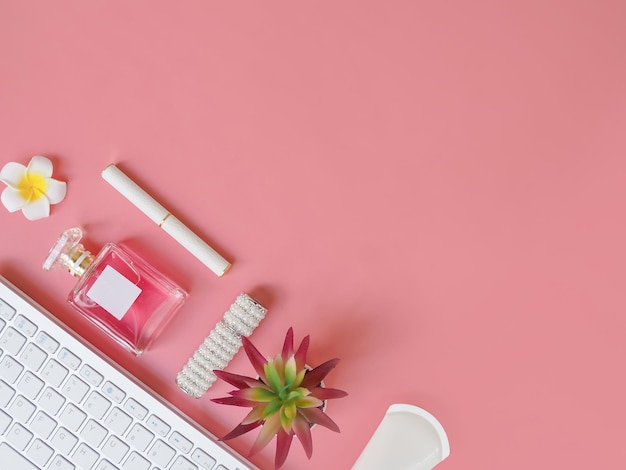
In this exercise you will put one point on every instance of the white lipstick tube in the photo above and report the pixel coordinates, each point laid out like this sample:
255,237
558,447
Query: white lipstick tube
164,219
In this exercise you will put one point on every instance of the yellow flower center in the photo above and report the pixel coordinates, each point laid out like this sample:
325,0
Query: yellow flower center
32,186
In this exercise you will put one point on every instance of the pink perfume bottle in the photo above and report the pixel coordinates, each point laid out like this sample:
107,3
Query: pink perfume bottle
117,290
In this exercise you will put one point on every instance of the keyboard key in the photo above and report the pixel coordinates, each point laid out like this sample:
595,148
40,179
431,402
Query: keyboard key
6,311
139,437
2,324
21,409
75,389
157,425
47,342
70,359
59,463
10,458
180,442
203,459
115,449
135,462
135,409
105,465
113,392
117,421
90,375
33,357
72,417
181,463
43,425
97,405
10,369
93,433
39,453
161,454
30,385
12,341
19,437
64,441
26,326
54,373
5,421
84,456
51,401
6,393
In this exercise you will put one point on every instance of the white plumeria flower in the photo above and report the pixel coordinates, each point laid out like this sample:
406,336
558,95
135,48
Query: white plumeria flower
31,188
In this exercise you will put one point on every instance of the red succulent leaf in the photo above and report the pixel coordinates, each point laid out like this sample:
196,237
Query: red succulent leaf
255,414
302,429
317,416
270,428
256,395
315,376
308,402
283,443
324,393
256,358
241,429
234,401
239,381
288,345
301,352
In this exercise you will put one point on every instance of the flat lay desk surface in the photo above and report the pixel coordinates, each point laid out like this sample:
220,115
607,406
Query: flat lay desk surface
434,191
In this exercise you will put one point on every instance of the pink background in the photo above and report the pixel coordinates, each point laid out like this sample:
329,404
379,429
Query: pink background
433,190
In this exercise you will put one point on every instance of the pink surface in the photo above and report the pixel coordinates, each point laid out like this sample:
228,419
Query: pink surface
433,190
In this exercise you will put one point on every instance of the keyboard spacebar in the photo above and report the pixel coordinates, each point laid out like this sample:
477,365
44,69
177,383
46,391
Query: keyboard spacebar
12,459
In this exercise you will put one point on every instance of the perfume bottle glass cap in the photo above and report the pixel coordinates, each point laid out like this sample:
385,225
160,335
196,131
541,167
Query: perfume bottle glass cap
69,253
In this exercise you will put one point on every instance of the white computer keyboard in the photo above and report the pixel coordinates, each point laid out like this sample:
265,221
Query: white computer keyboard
64,407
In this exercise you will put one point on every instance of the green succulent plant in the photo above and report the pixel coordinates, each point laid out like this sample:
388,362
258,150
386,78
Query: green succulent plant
286,399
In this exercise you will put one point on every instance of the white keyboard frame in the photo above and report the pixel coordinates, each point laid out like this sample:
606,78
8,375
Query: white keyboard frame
131,385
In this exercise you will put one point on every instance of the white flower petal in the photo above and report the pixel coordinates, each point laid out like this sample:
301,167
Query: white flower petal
12,173
37,209
40,165
12,200
55,190
37,189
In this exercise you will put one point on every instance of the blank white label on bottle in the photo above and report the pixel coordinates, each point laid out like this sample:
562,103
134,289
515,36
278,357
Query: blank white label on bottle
113,292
